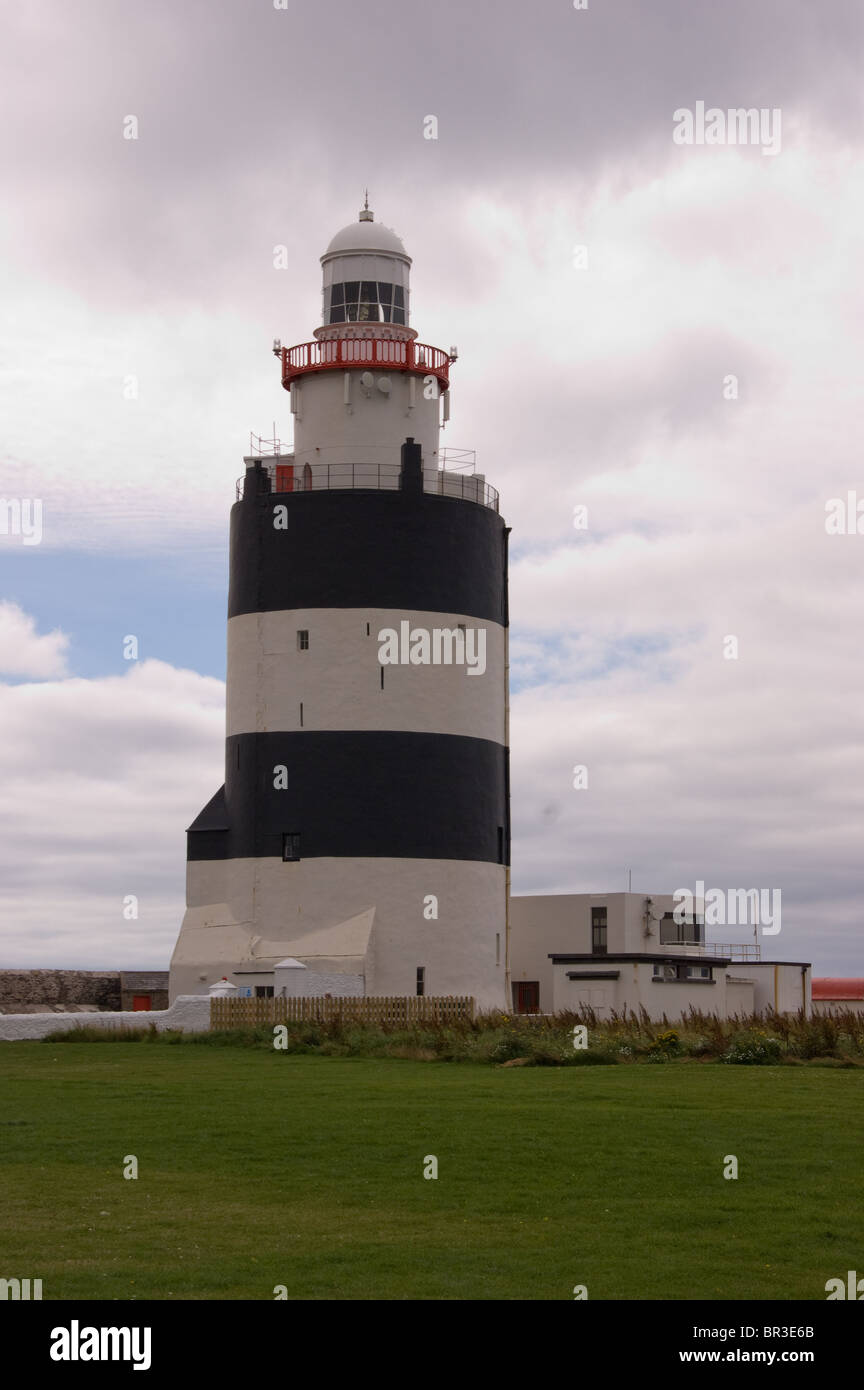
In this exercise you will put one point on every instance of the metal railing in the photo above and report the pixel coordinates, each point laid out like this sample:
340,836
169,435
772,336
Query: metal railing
456,459
736,951
374,477
396,354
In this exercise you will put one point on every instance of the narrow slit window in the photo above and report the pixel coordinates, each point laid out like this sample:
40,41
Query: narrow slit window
421,979
303,639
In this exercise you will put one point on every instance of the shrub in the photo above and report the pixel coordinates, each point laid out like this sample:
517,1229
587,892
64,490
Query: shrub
665,1045
753,1049
508,1047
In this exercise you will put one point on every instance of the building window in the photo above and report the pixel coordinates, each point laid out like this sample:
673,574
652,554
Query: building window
303,639
291,845
598,931
671,971
526,996
690,932
263,991
497,948
666,970
500,844
421,979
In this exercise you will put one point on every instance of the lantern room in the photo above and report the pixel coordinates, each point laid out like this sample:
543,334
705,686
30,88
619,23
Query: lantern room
365,275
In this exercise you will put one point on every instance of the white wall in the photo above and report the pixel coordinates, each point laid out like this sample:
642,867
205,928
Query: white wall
338,678
315,984
301,899
779,985
739,997
371,428
635,988
191,1013
832,1006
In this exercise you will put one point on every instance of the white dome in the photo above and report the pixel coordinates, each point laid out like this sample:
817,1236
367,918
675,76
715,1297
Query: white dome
366,237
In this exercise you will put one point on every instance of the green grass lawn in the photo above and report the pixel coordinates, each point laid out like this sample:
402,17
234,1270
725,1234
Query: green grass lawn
261,1168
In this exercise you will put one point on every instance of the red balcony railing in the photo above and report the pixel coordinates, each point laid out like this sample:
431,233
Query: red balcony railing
393,354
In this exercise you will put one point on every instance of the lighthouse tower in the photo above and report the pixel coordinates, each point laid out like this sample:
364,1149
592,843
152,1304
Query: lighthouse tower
363,827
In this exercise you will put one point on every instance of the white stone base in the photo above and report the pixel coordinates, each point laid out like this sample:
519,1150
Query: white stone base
189,1012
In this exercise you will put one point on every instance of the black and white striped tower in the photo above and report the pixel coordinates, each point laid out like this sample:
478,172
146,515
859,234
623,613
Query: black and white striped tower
363,828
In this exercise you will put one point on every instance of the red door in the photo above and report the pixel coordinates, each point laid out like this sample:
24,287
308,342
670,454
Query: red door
140,1003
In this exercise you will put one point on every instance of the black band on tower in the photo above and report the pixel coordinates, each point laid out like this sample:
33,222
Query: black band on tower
359,795
356,549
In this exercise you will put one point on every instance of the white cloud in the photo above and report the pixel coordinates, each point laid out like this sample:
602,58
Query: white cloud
23,652
98,781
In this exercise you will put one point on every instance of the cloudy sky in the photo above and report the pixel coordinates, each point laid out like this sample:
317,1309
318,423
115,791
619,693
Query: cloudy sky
690,377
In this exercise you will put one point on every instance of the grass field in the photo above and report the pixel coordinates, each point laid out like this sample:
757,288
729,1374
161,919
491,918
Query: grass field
259,1169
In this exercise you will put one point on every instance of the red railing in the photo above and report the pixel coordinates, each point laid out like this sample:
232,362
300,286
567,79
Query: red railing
393,353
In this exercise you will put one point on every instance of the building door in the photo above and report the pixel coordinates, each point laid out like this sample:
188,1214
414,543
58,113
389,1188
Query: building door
526,996
141,1003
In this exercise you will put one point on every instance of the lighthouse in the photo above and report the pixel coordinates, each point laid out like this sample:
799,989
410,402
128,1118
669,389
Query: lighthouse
363,827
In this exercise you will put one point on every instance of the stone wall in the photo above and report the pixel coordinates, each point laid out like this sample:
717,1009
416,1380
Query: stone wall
153,983
58,990
59,987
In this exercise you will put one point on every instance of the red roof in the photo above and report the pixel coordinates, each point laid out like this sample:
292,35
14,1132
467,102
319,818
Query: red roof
838,989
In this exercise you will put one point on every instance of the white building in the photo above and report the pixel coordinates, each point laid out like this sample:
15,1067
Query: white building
617,952
833,995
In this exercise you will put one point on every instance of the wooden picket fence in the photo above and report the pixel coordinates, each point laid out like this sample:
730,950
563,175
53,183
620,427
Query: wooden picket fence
396,1011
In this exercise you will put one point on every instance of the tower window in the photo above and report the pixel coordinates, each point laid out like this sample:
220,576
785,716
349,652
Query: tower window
421,979
303,639
366,301
598,931
291,845
500,844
